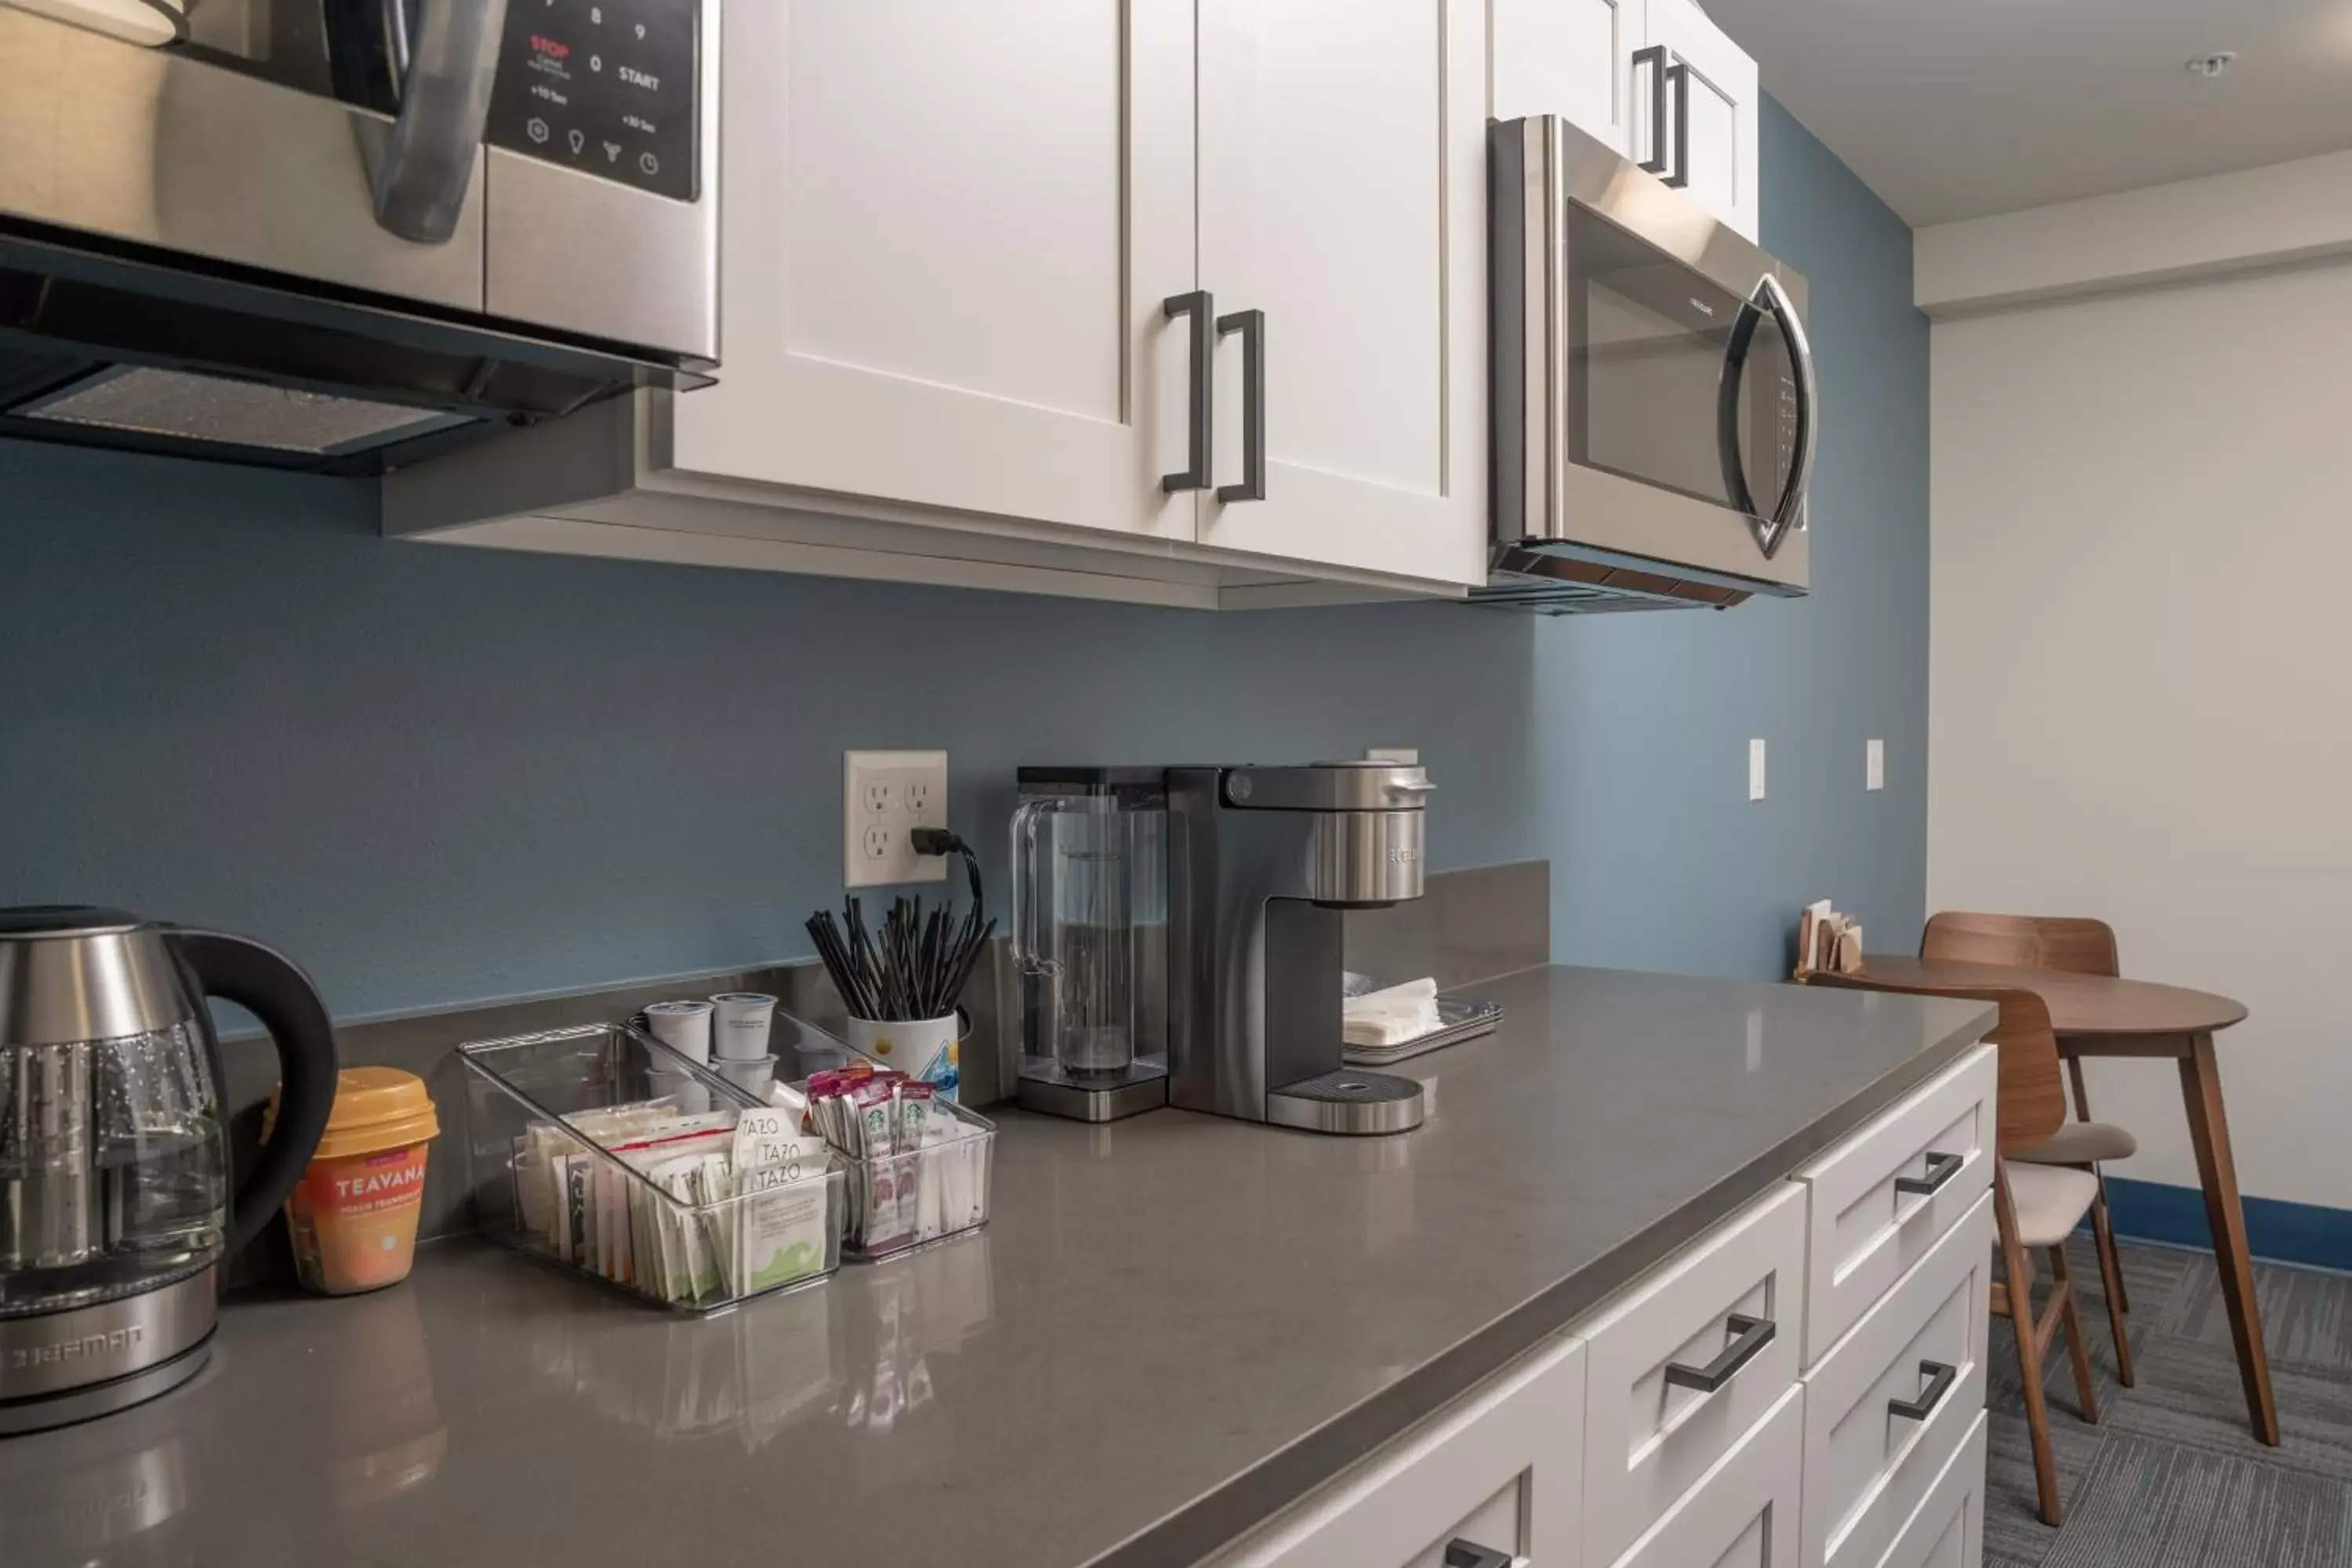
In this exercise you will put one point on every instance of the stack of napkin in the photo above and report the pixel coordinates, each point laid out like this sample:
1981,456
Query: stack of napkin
1391,1017
1828,941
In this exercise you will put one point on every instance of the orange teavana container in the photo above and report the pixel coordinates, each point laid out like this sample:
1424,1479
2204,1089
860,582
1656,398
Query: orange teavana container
353,1215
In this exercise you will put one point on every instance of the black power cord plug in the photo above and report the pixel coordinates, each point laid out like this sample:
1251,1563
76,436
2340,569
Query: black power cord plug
939,841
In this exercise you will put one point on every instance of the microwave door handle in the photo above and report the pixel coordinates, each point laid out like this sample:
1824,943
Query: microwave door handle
446,52
1769,298
1800,485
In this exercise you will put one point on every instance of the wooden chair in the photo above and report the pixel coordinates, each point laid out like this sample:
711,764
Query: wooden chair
2035,1208
2080,947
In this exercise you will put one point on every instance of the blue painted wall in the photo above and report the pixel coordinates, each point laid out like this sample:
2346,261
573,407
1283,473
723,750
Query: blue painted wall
440,776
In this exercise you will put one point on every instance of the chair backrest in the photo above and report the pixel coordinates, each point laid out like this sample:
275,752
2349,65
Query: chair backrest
2033,1097
2025,942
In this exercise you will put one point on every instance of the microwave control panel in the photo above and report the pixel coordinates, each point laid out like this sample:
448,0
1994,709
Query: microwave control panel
606,87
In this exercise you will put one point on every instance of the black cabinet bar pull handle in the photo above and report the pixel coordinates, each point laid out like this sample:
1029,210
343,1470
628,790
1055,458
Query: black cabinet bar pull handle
1654,59
1251,325
1202,381
1749,1336
1941,1168
1677,76
1461,1553
1941,1379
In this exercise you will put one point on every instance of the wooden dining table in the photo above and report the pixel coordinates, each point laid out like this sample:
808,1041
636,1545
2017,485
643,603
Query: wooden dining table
2100,1015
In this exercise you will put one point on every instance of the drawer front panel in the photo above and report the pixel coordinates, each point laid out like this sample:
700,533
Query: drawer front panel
1498,1469
1743,1512
1869,1220
1947,1529
1886,1409
1650,1431
1498,1524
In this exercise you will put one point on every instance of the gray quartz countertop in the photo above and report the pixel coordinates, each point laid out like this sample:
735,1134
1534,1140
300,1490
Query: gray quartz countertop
1171,1326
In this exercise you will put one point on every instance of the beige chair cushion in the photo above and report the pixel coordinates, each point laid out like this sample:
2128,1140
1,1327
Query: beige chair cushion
2083,1143
2051,1201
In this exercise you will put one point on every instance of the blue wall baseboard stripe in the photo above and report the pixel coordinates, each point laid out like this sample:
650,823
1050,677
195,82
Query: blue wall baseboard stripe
2279,1231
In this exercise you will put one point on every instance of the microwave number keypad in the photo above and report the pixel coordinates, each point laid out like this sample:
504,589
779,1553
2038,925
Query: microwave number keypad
606,87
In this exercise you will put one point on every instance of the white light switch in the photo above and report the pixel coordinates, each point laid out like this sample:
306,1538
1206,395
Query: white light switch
1756,768
1873,765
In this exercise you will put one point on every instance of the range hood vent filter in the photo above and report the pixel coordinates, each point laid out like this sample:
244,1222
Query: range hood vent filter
223,411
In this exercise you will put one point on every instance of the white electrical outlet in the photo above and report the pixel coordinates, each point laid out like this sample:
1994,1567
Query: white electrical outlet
1756,768
1873,765
885,796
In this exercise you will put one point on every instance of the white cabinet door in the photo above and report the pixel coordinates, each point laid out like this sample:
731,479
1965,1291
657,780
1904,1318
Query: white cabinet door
1728,1307
1342,196
1880,1200
1947,1530
1498,1469
1743,1512
1567,58
1894,1400
949,232
1716,158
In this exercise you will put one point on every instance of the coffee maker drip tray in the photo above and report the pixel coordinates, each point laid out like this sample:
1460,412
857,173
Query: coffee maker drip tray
1349,1101
1044,1086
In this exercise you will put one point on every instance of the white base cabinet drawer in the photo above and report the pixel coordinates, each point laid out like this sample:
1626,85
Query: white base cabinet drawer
1948,1529
1722,1311
1890,1404
1497,1471
1880,1200
1743,1512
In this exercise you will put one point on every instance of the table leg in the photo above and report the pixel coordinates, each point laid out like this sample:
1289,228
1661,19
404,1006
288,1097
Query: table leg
2209,1129
2112,1272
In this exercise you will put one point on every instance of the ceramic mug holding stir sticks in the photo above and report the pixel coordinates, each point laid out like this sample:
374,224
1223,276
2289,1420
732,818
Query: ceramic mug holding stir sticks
929,1049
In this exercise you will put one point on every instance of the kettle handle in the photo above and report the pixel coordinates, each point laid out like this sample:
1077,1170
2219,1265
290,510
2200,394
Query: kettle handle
1029,952
267,986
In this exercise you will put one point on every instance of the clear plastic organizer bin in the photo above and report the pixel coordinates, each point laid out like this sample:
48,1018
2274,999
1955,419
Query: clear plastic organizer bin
598,1148
900,1200
931,1180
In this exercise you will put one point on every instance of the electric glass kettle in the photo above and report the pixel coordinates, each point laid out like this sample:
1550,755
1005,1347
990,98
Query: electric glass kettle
115,1205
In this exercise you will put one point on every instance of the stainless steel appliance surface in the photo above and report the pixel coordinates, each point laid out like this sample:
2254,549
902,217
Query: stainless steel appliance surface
1654,410
1262,862
1089,940
115,1211
339,235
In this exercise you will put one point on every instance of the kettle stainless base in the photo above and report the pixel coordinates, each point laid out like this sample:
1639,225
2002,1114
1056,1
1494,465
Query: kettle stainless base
57,1368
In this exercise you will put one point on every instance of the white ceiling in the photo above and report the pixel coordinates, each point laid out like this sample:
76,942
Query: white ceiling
1954,108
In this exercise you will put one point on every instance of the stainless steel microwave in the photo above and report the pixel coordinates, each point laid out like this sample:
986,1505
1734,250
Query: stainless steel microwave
337,234
1654,412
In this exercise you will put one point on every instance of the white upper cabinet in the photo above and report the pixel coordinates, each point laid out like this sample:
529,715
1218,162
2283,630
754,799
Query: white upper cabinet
949,238
1569,57
1342,201
1599,64
948,233
1710,144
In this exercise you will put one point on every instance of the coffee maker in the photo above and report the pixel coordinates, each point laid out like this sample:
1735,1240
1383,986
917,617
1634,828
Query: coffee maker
115,1208
1215,900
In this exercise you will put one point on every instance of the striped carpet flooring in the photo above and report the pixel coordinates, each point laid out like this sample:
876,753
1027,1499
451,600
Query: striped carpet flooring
2171,1477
